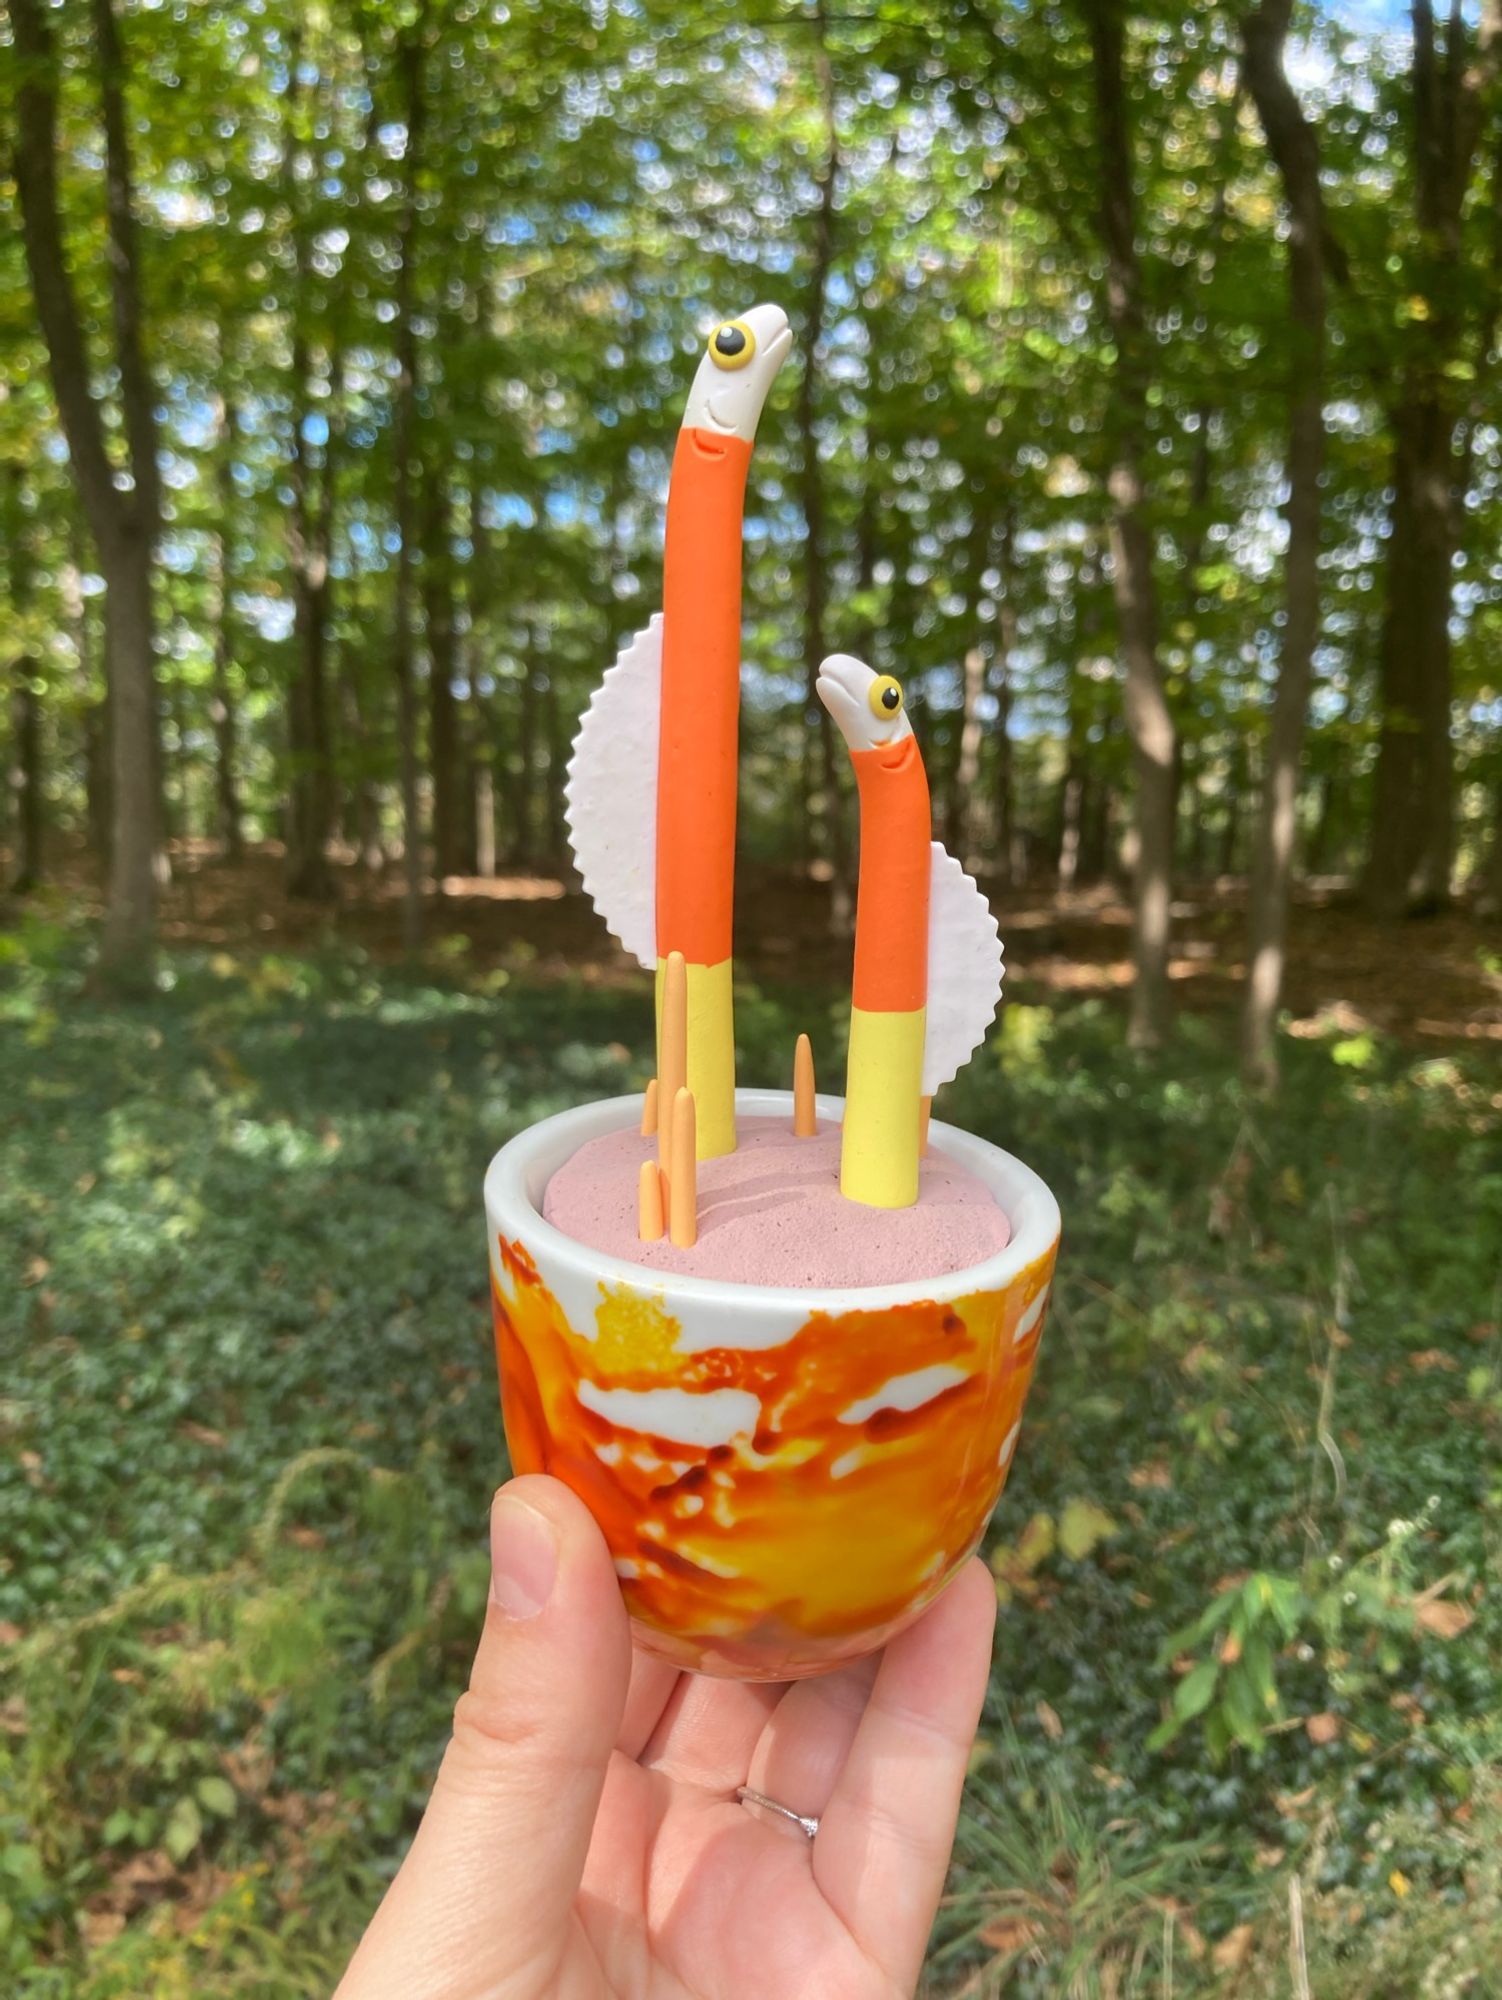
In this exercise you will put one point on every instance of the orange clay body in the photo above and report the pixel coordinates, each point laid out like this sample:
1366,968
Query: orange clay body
701,696
896,860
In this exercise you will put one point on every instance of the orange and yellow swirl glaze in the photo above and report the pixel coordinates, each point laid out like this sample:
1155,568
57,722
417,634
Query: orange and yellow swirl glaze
875,1447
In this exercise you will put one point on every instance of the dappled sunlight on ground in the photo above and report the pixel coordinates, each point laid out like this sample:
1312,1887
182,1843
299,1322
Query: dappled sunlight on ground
1437,980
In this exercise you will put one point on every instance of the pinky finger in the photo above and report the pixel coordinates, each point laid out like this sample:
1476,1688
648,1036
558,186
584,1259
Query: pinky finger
885,1836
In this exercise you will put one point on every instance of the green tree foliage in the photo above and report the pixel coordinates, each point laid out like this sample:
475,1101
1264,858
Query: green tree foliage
572,210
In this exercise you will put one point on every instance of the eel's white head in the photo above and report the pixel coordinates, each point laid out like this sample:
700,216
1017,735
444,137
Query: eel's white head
867,706
739,367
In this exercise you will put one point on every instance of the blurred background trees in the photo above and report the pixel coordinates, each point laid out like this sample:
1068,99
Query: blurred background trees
1143,418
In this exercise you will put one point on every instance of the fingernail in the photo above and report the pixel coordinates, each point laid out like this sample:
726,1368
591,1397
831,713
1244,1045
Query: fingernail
523,1557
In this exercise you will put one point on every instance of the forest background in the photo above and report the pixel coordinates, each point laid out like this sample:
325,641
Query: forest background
1143,419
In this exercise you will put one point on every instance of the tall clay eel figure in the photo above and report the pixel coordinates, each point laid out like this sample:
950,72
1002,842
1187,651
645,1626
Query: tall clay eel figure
652,783
927,954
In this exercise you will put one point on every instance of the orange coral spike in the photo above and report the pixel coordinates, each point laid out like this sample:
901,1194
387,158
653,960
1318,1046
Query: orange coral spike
683,1191
805,1118
672,1059
649,1203
649,1111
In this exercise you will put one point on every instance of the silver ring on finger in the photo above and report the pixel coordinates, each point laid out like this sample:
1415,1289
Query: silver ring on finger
808,1821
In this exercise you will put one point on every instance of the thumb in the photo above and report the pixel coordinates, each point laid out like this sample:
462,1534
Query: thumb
490,1880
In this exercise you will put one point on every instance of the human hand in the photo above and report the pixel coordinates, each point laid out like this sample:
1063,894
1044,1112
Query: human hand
584,1837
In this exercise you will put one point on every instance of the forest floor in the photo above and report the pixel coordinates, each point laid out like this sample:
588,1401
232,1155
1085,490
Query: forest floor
1433,981
1245,1709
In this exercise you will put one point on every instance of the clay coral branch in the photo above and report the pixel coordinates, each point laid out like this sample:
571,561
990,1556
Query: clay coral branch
649,1111
672,1056
805,1118
649,1203
683,1175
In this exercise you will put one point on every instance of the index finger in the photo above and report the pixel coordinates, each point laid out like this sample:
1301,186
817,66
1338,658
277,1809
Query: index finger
884,1839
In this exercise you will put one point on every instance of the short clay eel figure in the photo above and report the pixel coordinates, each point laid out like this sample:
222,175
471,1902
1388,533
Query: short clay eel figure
927,953
652,784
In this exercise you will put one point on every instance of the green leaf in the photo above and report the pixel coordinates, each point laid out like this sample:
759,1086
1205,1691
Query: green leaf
118,1826
218,1796
1238,1704
1257,1663
1193,1694
184,1829
1169,1728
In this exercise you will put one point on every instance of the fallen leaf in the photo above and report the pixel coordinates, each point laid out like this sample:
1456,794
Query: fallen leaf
1442,1617
1082,1525
1048,1717
202,1434
1155,1473
36,1270
1399,1883
1036,1542
1322,1728
1430,1358
100,1927
1009,1934
1234,1949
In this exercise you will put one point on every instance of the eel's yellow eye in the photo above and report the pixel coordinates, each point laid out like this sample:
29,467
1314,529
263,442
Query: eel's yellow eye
885,698
732,344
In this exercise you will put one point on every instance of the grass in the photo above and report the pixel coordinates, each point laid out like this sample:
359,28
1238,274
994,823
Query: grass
1249,1554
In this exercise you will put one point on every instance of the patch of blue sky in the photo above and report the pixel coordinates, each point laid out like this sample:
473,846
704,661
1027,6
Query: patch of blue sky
510,510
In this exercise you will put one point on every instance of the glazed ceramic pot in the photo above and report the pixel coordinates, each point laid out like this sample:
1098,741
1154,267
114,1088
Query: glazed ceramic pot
785,1477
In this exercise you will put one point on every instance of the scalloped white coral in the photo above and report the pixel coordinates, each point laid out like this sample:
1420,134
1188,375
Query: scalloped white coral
610,793
964,970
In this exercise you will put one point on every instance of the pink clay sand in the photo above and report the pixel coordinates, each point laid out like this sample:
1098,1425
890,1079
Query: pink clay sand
771,1213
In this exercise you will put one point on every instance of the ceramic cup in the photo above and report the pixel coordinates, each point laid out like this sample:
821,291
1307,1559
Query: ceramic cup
785,1477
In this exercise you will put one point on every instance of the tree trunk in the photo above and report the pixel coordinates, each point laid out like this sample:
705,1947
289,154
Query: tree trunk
557,766
824,821
444,760
1095,827
1408,868
1011,861
135,799
95,719
222,708
310,526
1489,898
524,793
1294,145
1071,813
961,801
478,663
123,519
410,60
24,778
1196,862
1236,789
1149,720
484,819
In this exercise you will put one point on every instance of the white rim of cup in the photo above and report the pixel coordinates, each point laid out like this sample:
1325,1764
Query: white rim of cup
518,1175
